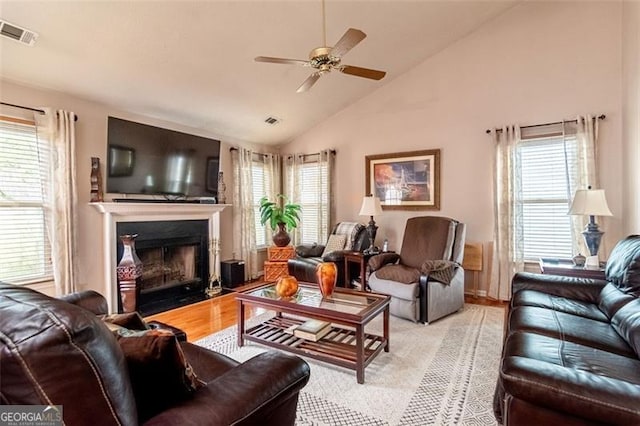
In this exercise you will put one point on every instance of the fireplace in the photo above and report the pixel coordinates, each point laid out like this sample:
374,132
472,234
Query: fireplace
116,215
175,263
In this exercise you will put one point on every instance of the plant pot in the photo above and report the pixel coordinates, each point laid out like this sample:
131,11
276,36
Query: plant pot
281,238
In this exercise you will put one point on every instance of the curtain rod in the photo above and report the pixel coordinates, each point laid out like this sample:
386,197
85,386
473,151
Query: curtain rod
333,151
235,148
600,117
30,109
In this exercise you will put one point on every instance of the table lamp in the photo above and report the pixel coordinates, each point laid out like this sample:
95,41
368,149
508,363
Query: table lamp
371,207
591,202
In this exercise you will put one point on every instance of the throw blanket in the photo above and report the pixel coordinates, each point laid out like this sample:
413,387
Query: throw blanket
437,270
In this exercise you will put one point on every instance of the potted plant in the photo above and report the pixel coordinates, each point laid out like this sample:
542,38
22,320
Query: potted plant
280,214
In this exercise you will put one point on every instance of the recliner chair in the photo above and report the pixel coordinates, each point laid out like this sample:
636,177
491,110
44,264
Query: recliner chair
426,280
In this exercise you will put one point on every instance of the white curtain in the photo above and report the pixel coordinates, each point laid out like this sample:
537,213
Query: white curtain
244,229
507,210
583,172
271,167
293,189
57,129
326,190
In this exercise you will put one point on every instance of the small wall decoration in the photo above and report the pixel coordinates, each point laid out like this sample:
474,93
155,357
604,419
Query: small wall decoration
405,180
222,198
96,181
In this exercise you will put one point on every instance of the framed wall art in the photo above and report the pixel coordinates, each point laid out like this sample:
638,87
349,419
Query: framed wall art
405,180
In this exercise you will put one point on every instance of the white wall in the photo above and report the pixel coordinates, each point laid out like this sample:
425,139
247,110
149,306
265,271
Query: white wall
539,62
631,115
91,139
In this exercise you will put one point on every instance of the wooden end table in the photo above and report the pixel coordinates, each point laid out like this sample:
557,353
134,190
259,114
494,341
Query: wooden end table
361,260
348,346
566,268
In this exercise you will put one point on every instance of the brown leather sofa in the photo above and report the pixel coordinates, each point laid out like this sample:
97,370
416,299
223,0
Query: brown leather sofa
58,352
571,349
308,256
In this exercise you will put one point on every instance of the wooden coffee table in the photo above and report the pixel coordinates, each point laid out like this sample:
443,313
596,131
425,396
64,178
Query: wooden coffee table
347,345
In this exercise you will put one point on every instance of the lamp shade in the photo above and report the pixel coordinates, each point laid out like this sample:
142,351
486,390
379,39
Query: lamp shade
590,202
370,206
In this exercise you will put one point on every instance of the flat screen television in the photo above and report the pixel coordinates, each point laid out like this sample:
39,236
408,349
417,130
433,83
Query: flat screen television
143,159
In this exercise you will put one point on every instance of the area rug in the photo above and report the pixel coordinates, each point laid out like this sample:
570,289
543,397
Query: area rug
443,373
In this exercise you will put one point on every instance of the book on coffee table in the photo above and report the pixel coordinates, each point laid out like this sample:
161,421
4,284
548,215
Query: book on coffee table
313,330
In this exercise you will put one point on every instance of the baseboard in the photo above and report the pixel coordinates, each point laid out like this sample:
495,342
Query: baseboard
481,293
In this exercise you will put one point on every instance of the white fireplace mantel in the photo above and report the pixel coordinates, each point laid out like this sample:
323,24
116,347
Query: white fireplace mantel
114,212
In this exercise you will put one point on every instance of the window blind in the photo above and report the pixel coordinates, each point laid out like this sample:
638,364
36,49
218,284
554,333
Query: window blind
546,196
313,201
261,185
25,253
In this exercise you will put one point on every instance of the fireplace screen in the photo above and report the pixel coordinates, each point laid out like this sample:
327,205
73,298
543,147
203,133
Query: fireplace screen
168,266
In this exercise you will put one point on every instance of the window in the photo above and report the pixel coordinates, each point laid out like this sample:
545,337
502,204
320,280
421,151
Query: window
312,176
25,253
261,187
546,196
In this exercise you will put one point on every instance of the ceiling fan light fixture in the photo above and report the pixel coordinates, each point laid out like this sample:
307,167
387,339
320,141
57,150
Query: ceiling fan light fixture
324,59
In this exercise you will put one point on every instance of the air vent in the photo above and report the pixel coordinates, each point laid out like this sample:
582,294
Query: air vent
272,120
17,33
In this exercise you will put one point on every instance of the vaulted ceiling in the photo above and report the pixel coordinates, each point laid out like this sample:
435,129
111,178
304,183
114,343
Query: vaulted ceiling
192,62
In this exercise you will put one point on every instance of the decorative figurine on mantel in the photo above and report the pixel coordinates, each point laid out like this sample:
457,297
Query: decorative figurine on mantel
222,199
96,181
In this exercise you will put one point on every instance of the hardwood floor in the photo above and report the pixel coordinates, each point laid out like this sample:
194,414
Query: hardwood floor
210,316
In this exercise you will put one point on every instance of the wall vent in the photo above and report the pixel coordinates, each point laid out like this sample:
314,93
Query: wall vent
272,121
17,33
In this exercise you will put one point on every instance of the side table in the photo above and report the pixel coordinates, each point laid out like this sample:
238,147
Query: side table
566,268
361,259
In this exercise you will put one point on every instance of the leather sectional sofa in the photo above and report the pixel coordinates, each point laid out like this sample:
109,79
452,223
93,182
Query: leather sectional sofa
58,352
571,349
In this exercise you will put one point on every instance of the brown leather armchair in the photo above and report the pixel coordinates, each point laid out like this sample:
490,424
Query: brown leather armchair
308,256
426,279
58,352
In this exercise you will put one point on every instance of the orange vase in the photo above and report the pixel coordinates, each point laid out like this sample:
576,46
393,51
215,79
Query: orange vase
326,274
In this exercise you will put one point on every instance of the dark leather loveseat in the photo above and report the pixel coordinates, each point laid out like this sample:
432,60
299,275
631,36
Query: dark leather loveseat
570,354
308,256
57,352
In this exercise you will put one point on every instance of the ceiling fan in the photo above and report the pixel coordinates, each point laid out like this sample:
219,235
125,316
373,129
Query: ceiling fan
324,59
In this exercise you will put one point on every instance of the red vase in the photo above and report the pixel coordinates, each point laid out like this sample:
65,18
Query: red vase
129,270
327,275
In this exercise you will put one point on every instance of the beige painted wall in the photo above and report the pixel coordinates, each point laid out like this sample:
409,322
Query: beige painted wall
539,62
631,115
91,139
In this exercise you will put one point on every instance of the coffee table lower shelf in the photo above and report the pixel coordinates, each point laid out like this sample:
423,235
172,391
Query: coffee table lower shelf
338,347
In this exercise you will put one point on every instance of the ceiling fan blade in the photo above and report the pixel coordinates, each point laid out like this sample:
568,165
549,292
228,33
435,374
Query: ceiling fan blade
310,81
347,42
280,60
363,72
